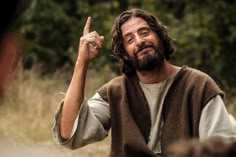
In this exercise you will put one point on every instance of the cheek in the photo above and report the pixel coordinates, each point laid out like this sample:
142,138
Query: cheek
129,50
158,44
155,41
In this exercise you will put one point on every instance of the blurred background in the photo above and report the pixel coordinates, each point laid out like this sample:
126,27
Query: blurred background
204,33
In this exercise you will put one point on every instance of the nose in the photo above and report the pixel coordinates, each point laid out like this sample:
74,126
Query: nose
139,40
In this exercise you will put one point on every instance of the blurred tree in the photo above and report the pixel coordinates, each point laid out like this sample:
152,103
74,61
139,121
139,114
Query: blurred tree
47,32
205,38
52,29
204,32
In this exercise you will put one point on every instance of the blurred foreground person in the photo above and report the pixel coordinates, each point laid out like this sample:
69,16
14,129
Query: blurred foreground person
9,43
213,147
150,106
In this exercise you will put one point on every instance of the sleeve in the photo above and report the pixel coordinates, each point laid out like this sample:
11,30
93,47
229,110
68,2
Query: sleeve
215,120
91,125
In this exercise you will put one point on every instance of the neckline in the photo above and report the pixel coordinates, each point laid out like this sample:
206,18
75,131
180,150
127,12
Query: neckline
171,77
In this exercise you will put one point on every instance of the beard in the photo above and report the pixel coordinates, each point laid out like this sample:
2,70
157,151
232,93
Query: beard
149,61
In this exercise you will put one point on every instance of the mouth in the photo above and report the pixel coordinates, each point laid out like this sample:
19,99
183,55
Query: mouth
145,50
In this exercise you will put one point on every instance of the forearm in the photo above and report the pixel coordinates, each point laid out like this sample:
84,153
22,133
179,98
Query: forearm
75,93
73,99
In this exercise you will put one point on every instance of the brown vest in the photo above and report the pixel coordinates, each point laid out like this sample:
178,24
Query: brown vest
130,114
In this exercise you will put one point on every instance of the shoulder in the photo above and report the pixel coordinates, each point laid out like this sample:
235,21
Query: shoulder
196,74
199,81
194,77
190,78
112,87
115,82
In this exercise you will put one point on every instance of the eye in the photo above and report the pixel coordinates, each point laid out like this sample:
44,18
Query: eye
144,32
129,40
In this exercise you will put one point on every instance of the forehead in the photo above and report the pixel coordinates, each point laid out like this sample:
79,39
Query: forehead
132,25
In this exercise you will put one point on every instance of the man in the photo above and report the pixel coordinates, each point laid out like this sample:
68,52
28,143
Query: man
152,105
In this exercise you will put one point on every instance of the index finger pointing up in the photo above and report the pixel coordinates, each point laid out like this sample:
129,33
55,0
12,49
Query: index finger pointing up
87,26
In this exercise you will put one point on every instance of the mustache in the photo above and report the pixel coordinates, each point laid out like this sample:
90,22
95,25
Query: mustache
143,46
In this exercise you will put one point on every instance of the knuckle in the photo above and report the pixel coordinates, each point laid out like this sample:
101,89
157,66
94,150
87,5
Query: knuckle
81,38
95,33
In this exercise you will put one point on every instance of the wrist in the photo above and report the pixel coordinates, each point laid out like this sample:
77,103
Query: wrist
81,63
80,67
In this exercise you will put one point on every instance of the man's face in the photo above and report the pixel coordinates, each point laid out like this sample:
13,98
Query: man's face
143,46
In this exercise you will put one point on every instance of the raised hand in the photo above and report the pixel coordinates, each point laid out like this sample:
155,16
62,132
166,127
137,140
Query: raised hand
90,44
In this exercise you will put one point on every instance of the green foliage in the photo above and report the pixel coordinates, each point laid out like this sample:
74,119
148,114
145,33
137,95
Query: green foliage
47,30
204,32
205,40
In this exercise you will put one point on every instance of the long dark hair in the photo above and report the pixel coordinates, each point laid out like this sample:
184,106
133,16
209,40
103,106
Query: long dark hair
154,23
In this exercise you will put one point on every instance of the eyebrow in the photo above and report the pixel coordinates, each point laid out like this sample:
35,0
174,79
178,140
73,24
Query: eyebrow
139,29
